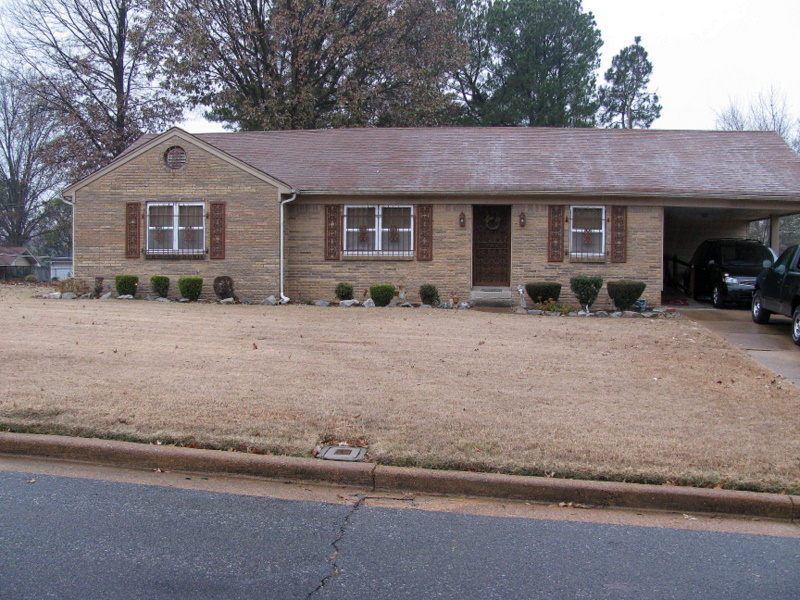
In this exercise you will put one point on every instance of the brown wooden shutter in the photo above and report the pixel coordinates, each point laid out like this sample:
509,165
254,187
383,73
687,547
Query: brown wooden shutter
217,230
555,234
133,212
619,234
425,232
333,231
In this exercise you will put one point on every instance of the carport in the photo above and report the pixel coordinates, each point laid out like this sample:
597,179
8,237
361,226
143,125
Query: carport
685,227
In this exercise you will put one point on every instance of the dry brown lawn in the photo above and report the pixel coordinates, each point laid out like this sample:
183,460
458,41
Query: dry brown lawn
623,399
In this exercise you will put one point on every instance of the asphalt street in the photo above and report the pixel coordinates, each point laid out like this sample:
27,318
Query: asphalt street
71,538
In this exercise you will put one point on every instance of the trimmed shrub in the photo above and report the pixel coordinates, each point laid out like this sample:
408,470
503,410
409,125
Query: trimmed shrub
126,284
190,287
160,285
381,293
30,278
586,288
540,291
429,294
223,287
344,291
625,293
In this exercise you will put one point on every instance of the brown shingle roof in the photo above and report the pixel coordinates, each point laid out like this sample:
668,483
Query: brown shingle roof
700,164
9,255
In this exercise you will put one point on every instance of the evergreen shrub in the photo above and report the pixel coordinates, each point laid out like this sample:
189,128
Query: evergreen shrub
190,287
126,284
344,291
160,285
429,294
586,288
381,293
540,291
625,293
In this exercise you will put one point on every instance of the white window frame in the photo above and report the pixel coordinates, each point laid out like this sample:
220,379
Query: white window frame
379,230
572,231
176,229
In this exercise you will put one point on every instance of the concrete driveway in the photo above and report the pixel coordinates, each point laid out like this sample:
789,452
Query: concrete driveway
769,344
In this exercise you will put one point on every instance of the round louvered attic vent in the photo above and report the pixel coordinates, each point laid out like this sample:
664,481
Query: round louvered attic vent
175,157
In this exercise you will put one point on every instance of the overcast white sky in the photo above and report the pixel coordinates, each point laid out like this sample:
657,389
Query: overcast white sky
705,53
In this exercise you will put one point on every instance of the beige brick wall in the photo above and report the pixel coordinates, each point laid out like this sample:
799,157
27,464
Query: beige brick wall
252,215
310,277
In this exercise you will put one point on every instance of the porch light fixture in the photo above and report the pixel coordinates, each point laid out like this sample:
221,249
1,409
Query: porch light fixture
522,219
462,220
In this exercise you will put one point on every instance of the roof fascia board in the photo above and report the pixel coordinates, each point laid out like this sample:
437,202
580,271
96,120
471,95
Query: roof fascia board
282,186
721,200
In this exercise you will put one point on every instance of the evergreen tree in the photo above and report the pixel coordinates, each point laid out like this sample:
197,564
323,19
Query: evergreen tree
535,64
625,102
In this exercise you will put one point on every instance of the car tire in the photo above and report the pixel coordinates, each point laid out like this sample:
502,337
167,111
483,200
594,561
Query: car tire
718,296
796,326
760,314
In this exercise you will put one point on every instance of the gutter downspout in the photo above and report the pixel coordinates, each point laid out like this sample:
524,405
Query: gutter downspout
284,297
72,241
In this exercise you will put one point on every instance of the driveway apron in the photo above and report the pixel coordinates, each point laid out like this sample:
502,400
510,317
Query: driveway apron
769,344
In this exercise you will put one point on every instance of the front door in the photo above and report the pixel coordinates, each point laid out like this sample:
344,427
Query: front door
491,245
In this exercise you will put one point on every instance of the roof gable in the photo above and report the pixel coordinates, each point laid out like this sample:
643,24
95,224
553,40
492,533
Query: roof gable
10,254
147,142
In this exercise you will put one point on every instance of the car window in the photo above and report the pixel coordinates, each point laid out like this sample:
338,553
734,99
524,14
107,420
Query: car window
783,260
744,255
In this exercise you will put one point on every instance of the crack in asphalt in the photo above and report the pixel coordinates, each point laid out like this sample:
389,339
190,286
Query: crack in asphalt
342,531
334,557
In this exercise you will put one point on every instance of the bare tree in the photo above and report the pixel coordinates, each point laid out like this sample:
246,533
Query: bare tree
290,64
27,180
768,111
89,58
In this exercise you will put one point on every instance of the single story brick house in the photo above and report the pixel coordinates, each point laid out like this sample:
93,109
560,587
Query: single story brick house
292,213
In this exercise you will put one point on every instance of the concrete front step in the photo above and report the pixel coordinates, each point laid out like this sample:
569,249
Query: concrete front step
490,296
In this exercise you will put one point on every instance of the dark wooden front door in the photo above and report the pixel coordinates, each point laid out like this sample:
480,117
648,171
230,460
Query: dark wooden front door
491,245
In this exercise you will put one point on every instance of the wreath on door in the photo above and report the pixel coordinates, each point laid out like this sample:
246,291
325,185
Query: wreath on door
492,222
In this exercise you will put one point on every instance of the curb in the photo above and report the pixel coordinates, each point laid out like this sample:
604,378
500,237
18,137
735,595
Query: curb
370,475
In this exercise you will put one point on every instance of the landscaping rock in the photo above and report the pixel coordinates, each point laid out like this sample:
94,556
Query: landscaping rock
407,305
535,311
160,299
202,301
107,296
125,297
552,313
600,313
68,296
227,301
445,305
628,314
270,301
53,295
86,297
425,306
322,303
183,299
391,305
349,303
649,315
616,315
247,301
521,310
369,303
464,306
149,298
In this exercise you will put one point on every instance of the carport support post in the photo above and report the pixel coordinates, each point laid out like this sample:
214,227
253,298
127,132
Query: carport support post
775,233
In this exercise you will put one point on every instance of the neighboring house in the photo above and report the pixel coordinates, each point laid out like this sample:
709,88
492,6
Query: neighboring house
60,268
16,262
296,212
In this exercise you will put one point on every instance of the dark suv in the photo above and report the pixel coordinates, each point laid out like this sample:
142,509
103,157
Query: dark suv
726,270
